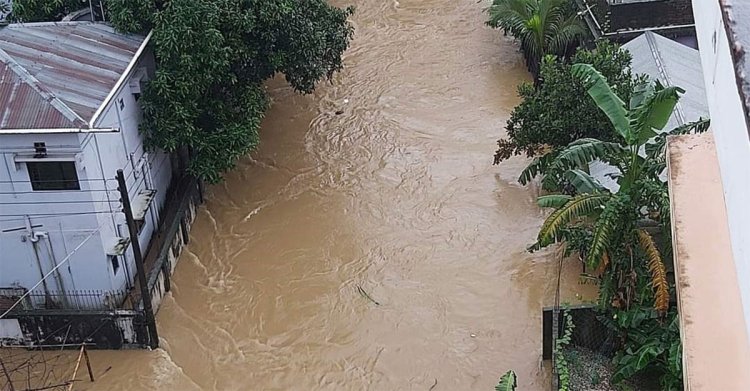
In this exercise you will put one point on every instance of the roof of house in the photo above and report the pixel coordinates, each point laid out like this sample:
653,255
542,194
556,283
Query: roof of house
57,75
673,64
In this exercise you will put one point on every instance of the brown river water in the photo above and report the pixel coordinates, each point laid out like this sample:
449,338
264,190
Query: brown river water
396,195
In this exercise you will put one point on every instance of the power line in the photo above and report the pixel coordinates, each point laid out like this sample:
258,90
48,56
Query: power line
65,260
68,192
57,202
60,180
52,215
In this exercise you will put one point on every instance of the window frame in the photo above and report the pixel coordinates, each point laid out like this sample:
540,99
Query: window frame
33,169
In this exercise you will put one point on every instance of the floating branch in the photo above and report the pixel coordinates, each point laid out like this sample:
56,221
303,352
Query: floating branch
366,295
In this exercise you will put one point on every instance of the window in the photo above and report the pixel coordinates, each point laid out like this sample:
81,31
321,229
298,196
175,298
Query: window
53,175
115,263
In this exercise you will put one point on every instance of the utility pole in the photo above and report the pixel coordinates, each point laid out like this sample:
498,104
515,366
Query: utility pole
140,268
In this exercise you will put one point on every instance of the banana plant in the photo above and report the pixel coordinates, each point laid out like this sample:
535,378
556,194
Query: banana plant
613,217
507,382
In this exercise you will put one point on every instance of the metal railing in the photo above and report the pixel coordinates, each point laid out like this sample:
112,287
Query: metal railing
72,300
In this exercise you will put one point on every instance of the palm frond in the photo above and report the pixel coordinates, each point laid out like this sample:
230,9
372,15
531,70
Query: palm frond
508,382
563,33
656,149
657,269
606,224
583,151
578,206
537,166
599,90
553,200
582,181
700,126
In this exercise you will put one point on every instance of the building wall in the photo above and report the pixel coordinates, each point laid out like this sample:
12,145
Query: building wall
71,216
61,219
730,132
143,169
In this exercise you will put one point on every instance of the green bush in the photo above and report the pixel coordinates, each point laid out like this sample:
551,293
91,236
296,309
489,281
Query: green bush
559,111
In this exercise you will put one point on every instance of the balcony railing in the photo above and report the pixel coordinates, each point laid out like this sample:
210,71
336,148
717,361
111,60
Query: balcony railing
74,300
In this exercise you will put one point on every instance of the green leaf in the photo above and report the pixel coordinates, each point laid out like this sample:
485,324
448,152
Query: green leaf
640,92
653,113
579,206
553,200
599,90
508,382
606,224
583,182
537,166
582,152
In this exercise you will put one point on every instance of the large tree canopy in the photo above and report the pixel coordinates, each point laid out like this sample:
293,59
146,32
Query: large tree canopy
212,59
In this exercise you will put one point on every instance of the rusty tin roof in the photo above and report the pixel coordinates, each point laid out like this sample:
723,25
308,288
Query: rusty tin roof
56,75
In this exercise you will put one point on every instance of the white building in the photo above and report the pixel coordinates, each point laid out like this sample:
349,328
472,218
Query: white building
69,120
709,190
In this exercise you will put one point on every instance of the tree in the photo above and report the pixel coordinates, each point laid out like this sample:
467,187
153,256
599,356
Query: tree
214,55
543,26
43,10
557,111
609,230
212,59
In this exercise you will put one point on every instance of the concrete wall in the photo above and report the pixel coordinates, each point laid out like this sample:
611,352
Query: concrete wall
730,132
97,157
55,215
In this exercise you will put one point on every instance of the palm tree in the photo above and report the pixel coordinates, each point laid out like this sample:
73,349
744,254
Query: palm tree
614,220
543,26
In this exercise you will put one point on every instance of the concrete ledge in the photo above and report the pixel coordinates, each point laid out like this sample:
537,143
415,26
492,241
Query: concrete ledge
716,353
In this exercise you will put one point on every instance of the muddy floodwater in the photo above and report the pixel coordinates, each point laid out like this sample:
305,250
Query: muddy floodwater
381,180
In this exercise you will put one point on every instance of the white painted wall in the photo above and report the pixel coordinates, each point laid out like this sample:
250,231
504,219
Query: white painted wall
730,132
19,263
97,156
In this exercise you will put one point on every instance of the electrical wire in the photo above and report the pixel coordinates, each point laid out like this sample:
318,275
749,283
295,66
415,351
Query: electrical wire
64,261
57,202
52,215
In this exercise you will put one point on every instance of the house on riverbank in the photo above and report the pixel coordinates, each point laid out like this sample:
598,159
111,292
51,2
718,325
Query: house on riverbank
69,121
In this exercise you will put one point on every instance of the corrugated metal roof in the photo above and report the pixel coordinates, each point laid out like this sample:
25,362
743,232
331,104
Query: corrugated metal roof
56,75
674,64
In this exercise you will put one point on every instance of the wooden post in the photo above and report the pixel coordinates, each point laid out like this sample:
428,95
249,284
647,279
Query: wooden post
88,363
153,336
7,376
75,370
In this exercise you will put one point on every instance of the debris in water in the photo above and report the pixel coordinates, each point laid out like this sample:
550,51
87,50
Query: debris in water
473,335
346,100
339,112
366,295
